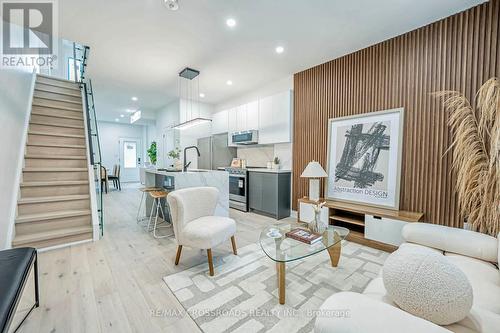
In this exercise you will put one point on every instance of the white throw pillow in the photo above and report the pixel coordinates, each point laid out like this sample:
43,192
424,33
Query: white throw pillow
427,285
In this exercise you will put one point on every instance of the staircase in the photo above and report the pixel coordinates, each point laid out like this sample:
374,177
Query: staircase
54,205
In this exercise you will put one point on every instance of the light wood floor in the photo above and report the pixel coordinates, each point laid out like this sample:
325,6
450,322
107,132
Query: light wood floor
113,285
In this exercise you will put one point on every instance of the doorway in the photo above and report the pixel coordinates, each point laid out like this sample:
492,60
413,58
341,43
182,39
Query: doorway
130,159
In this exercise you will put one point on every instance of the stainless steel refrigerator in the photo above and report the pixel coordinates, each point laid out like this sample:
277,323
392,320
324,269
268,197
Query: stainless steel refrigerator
214,152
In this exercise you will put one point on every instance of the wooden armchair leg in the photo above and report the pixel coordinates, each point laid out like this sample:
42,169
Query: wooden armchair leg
210,262
233,243
178,256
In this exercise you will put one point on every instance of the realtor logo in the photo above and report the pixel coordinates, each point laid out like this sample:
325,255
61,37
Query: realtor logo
28,28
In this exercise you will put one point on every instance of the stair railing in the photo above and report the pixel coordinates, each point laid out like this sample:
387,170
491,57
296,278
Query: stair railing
81,54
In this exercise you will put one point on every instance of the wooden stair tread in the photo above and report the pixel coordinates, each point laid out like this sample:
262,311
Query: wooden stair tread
57,99
48,235
65,108
55,183
52,84
54,169
38,113
55,125
56,134
55,145
30,200
56,157
56,92
55,79
51,215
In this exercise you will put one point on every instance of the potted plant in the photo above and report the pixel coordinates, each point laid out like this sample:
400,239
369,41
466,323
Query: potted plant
476,154
152,153
175,155
276,163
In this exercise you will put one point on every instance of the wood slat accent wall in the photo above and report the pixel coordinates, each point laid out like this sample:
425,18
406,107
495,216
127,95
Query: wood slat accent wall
457,53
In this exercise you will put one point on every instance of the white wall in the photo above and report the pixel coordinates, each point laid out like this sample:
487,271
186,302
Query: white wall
266,90
109,136
16,88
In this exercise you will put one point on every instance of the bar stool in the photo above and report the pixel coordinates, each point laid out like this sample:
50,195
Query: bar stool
157,196
144,190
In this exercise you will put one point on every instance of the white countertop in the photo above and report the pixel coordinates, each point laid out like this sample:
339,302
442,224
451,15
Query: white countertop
269,170
189,171
264,170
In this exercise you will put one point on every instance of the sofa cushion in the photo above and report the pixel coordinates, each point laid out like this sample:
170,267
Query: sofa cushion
426,284
348,312
476,270
478,320
498,254
465,242
417,246
376,290
208,231
484,278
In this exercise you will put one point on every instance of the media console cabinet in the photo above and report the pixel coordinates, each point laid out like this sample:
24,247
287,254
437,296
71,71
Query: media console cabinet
376,227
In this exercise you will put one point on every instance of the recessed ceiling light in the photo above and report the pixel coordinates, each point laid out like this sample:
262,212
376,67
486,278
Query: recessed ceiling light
130,111
230,22
116,119
121,116
172,4
280,49
229,82
134,99
202,95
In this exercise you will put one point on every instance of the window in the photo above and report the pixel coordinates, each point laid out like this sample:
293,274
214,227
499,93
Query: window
130,154
71,69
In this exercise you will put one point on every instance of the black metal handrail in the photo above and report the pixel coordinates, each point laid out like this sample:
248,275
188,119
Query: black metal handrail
91,117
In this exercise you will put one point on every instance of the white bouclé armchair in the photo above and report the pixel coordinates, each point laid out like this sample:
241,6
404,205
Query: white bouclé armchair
192,210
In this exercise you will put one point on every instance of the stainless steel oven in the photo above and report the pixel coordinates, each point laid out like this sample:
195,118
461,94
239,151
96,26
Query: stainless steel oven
238,188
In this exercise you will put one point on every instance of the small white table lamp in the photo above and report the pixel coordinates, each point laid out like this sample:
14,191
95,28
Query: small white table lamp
314,171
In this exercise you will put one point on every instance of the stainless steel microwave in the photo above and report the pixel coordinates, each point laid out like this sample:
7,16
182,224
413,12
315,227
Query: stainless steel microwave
245,137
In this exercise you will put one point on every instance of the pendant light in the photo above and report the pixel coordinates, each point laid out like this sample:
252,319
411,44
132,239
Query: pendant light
189,90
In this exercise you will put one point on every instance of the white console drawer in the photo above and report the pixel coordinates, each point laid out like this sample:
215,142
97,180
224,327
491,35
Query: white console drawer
307,213
384,230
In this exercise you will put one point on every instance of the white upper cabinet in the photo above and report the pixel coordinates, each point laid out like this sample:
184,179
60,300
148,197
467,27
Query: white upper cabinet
275,118
232,124
241,118
266,120
220,122
253,115
271,116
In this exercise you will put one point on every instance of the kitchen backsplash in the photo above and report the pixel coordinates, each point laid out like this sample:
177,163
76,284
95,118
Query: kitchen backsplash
258,156
284,153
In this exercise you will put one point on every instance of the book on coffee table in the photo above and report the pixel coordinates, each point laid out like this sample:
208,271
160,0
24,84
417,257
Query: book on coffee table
304,235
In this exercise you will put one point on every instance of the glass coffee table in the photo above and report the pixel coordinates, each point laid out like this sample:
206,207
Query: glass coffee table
282,249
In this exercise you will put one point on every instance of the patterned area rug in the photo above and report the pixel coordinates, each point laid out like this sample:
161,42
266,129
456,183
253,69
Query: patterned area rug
243,295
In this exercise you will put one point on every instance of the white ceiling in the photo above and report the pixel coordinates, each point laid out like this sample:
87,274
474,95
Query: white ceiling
139,46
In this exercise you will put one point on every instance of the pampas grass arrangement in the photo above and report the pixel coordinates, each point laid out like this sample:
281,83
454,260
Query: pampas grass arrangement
476,154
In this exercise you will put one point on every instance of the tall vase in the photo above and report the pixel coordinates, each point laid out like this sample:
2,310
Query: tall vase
177,164
317,225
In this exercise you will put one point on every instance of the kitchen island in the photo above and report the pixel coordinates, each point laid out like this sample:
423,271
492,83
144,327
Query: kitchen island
171,180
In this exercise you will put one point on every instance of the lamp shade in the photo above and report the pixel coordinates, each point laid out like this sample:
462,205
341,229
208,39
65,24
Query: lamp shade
314,170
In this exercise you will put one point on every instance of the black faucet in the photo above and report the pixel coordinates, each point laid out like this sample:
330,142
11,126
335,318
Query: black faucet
187,164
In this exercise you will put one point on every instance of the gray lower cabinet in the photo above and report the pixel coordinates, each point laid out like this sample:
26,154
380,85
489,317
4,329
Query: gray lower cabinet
269,193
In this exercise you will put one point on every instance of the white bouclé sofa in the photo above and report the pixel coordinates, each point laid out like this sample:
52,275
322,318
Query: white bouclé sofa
477,255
